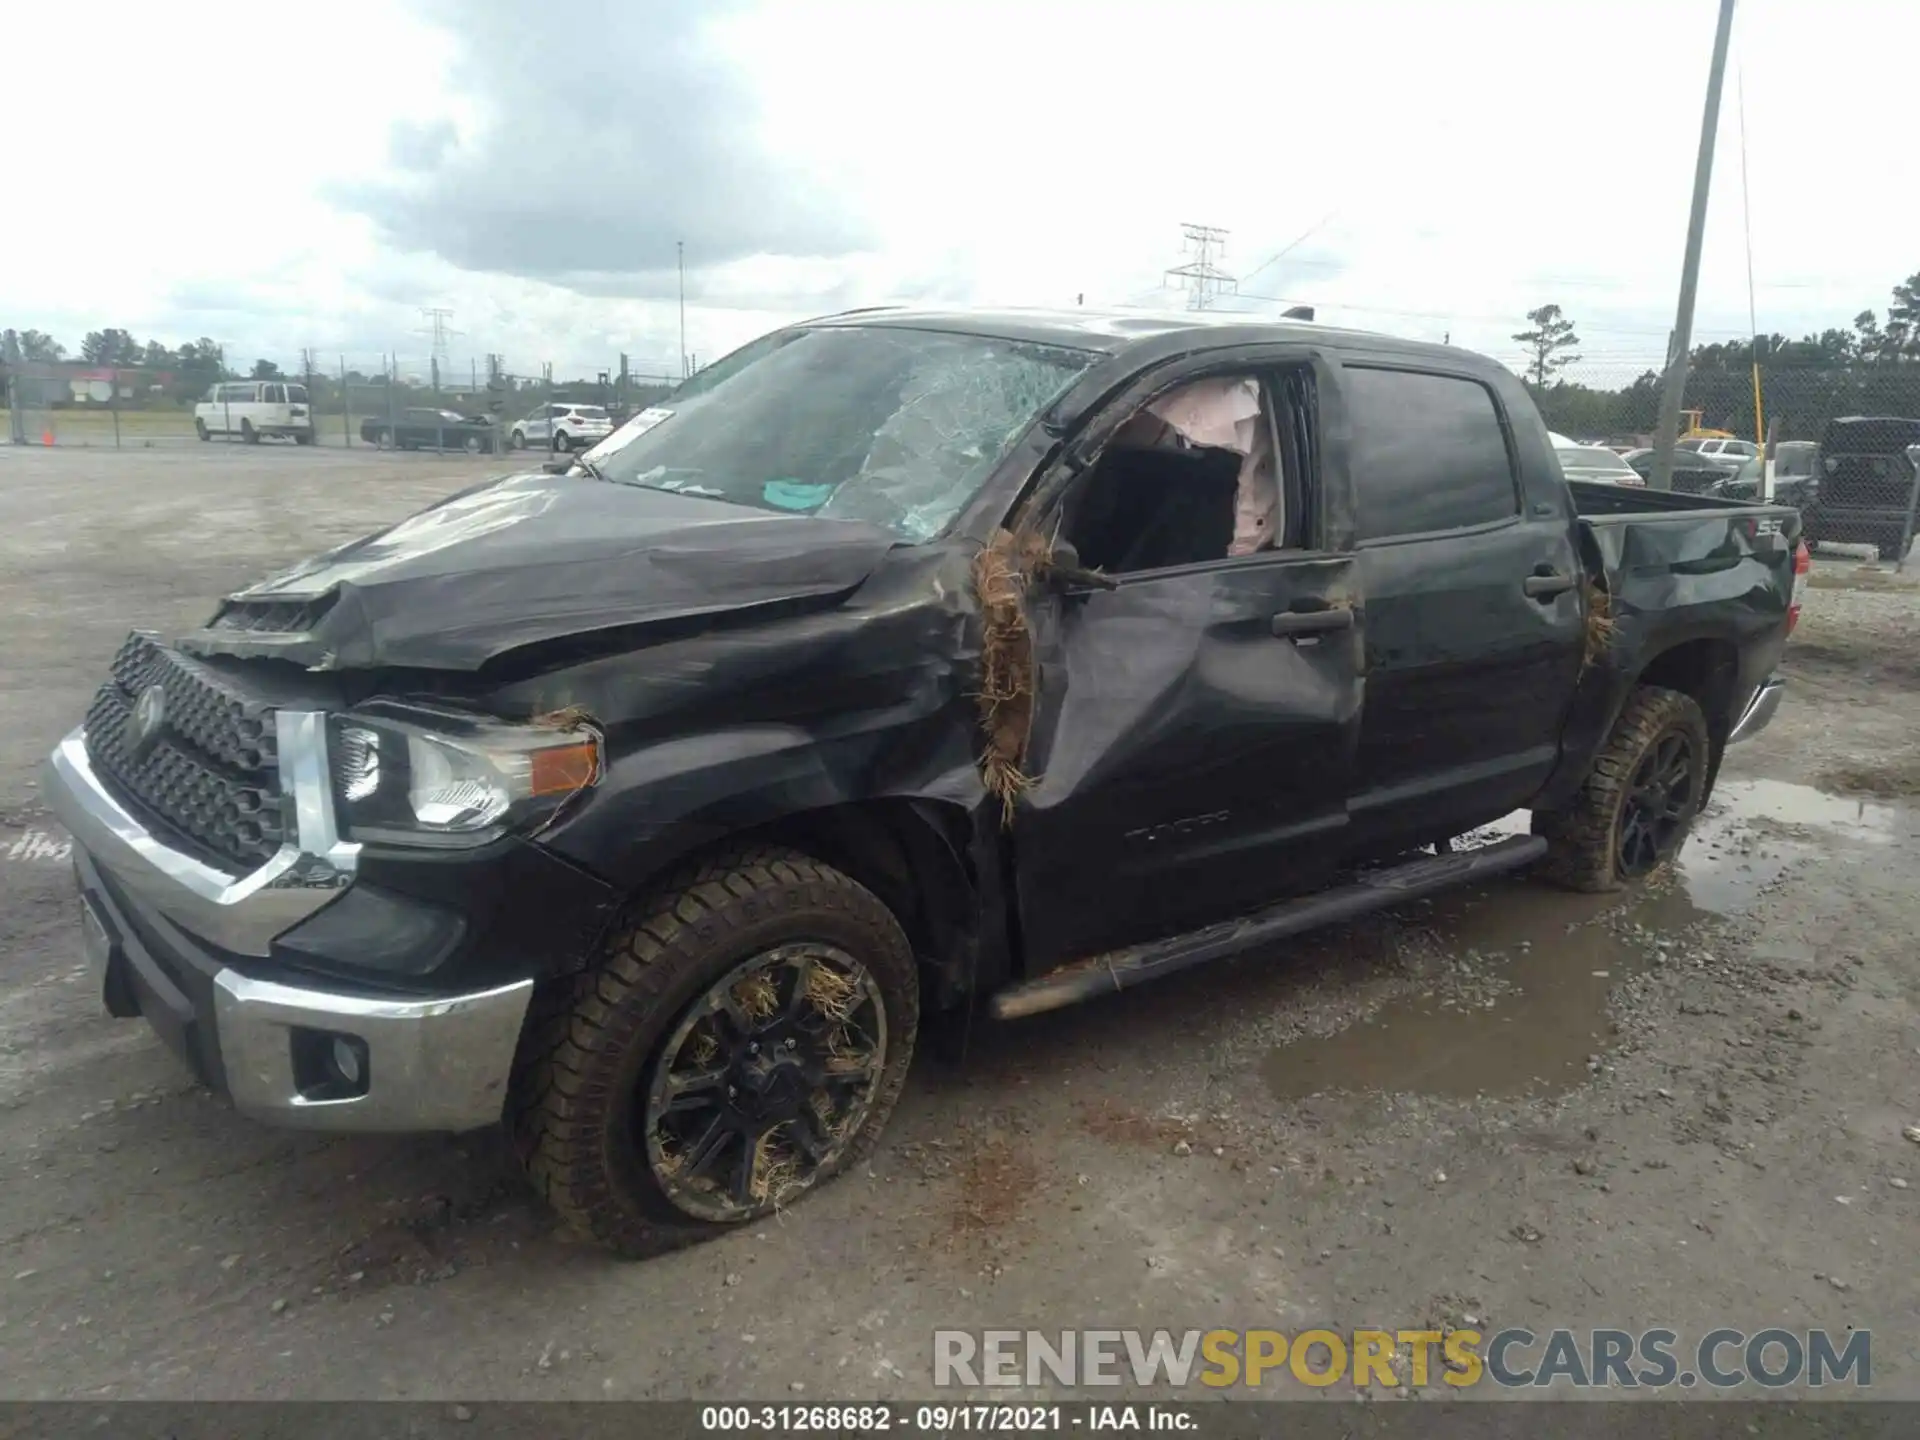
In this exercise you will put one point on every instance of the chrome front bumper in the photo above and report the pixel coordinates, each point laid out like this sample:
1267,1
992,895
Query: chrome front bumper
439,1064
1759,712
430,1064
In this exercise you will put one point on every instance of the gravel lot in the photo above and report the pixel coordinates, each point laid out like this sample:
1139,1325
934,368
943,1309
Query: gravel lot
1682,1107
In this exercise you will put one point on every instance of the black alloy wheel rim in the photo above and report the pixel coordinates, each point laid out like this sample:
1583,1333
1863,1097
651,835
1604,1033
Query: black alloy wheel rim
764,1083
1660,799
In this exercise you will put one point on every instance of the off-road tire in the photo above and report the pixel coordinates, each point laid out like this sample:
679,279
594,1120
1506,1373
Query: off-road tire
1583,837
592,1038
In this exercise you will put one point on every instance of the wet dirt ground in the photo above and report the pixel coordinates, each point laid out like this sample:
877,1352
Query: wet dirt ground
1682,1106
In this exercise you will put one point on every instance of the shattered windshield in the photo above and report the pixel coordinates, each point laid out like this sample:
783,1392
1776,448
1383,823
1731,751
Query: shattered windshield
893,426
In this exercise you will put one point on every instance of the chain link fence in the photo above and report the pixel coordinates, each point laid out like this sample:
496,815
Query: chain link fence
388,401
1840,443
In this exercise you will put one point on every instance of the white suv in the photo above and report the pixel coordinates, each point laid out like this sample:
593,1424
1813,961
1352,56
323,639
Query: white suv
1730,454
562,427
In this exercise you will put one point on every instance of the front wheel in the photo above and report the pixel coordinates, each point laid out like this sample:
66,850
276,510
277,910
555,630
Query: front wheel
1640,797
200,429
248,433
741,1040
383,439
1891,551
472,445
303,437
517,441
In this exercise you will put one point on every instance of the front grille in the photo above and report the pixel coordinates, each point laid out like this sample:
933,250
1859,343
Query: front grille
211,775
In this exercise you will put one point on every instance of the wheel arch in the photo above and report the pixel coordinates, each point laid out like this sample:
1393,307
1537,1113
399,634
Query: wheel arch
911,853
1707,669
1702,665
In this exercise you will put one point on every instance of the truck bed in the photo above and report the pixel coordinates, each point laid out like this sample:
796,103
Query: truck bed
1601,503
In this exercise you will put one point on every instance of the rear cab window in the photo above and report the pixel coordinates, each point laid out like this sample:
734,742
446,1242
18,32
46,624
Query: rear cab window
1429,453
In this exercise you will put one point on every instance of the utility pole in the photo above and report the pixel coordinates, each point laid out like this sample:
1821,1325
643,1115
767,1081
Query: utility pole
1676,388
680,255
1204,278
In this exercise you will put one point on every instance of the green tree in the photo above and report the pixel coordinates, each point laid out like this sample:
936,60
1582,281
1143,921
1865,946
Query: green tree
157,356
110,347
198,365
1903,317
1872,343
34,345
1548,343
265,370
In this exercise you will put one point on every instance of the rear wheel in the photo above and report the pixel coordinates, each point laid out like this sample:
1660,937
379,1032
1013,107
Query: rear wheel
1892,550
383,439
472,445
303,437
248,433
562,445
1639,799
742,1043
517,440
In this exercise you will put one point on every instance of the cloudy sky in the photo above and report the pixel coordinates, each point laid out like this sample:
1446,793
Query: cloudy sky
280,177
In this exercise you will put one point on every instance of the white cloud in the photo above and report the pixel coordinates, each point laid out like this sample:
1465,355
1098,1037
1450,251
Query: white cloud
1476,159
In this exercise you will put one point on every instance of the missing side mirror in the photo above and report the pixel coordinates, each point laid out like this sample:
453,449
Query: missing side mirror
1064,568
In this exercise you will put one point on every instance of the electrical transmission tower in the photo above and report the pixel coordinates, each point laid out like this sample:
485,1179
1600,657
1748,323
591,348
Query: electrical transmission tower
1203,278
440,331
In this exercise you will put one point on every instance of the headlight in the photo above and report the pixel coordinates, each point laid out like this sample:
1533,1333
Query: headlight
421,776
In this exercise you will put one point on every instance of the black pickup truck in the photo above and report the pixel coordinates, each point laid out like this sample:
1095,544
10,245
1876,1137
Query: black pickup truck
901,666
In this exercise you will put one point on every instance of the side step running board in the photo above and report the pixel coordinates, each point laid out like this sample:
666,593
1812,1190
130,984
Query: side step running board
1123,969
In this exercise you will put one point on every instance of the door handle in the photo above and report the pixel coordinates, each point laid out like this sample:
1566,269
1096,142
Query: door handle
1547,585
1290,623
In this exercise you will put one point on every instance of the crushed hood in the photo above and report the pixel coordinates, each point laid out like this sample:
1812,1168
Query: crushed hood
530,558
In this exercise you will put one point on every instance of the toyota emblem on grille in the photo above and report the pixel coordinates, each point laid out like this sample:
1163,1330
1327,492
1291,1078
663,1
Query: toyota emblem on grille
148,718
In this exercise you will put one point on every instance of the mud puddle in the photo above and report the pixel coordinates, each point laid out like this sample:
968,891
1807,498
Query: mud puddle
1525,1005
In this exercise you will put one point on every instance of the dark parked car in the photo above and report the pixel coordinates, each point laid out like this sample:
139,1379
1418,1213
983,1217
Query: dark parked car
424,428
904,664
1692,474
1867,474
1796,480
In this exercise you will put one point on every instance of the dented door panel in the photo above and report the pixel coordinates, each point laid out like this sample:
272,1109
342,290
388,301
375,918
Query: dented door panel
1194,764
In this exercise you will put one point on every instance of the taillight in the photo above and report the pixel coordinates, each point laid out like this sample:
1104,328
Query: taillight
1802,565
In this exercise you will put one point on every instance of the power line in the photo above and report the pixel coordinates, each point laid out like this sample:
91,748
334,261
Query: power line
1304,236
1205,279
